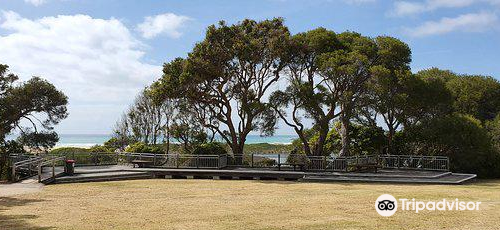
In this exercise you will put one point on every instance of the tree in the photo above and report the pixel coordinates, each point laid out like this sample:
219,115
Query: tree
428,98
35,101
228,74
460,137
307,95
387,90
24,102
476,95
493,128
346,70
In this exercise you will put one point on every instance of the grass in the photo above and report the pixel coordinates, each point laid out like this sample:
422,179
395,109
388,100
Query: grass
230,204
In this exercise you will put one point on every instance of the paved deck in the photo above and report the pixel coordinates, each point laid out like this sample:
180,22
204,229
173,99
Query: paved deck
123,172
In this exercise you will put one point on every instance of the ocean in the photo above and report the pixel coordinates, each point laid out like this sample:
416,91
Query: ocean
88,140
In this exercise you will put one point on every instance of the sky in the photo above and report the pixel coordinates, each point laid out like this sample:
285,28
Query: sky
101,53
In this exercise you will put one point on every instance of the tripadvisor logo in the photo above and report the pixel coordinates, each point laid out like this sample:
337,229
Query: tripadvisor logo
387,205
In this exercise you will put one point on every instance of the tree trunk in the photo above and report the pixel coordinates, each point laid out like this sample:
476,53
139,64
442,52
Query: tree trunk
320,144
344,134
390,138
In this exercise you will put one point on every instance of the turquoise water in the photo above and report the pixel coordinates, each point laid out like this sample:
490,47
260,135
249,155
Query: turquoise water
87,140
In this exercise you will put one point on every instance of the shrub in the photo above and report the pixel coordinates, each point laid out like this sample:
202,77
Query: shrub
68,150
100,149
141,147
211,148
460,137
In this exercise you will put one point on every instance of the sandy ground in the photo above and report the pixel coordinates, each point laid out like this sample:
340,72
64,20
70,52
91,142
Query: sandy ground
234,204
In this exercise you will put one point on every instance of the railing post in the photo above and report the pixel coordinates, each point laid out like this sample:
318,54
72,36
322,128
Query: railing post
197,161
13,171
154,159
279,159
39,172
177,161
53,167
324,162
117,157
251,165
398,159
447,164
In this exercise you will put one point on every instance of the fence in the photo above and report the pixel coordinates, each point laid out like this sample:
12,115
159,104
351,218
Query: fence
33,165
329,163
29,165
436,163
179,160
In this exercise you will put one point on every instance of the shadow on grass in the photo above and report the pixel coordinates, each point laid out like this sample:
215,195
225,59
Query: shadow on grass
17,221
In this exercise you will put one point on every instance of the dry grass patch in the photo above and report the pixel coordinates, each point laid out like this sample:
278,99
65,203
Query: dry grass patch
229,204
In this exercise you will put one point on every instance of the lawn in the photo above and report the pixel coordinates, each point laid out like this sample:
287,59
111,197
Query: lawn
238,204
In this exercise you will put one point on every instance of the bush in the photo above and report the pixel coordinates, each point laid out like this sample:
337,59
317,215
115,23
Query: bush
461,138
141,147
100,149
211,148
68,150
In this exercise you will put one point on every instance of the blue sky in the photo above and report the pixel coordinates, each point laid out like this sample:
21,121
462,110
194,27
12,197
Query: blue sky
101,53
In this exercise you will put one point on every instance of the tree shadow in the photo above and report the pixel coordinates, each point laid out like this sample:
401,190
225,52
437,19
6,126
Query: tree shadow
17,221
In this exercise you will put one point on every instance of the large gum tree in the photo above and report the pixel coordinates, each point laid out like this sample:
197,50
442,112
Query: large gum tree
228,74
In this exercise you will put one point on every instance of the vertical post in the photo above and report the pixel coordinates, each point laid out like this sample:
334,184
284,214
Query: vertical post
325,163
398,161
117,157
13,171
250,161
39,172
154,159
177,161
279,159
447,164
197,161
53,167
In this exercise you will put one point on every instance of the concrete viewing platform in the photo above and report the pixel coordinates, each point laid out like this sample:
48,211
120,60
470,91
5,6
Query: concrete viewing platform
125,172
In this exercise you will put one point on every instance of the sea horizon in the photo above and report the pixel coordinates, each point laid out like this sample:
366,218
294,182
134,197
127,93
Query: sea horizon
89,140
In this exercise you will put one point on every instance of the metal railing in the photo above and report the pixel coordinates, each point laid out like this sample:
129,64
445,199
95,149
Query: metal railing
329,163
33,165
179,160
436,163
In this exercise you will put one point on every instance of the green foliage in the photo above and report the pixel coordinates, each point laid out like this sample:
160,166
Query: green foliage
117,142
211,148
68,150
265,148
493,128
365,140
461,138
478,96
100,149
141,147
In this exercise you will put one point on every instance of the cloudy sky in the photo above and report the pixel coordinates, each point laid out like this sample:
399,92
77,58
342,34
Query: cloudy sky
102,52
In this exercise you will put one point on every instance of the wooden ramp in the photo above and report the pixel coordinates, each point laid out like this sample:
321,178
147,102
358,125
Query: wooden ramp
121,172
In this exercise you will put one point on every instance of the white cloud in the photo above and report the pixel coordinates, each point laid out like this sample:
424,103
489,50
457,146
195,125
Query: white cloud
466,23
35,2
94,61
404,8
168,24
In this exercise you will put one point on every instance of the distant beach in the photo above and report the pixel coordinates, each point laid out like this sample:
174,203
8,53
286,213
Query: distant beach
88,140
